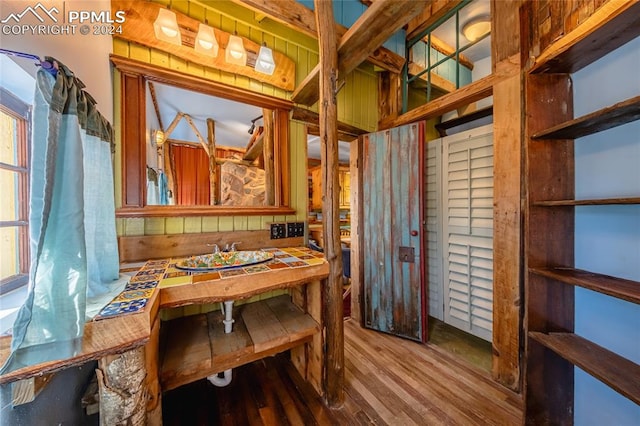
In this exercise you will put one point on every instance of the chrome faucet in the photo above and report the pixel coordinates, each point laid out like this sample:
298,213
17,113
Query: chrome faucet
232,248
216,249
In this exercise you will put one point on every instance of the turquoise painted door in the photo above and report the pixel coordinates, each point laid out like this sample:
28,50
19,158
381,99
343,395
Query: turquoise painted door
393,218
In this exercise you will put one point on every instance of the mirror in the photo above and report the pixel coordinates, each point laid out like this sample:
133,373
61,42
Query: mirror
187,148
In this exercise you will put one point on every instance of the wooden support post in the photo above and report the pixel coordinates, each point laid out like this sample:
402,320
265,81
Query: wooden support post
213,166
123,390
268,157
333,314
389,94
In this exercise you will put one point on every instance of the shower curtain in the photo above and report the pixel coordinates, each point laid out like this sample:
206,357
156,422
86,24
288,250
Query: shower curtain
74,254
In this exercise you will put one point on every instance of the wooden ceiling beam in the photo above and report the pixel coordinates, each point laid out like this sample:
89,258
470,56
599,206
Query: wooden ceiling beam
437,82
429,16
379,22
442,47
313,118
302,19
473,92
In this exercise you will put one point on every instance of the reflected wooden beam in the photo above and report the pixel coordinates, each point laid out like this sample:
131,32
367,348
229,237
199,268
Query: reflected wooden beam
300,18
213,167
154,100
379,22
204,144
267,155
255,150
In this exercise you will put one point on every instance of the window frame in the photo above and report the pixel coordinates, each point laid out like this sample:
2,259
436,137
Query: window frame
21,112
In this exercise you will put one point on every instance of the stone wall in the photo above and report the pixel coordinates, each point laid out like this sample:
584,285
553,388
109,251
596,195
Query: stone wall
241,185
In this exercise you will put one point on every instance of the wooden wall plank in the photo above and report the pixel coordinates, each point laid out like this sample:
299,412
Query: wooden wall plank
136,248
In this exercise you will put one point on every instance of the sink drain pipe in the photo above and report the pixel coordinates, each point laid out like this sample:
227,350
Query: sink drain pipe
224,378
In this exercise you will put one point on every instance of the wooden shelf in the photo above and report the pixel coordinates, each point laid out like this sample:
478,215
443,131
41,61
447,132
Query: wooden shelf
608,28
606,118
593,202
616,287
613,370
197,347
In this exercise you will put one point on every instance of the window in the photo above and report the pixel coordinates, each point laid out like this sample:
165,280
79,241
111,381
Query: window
15,121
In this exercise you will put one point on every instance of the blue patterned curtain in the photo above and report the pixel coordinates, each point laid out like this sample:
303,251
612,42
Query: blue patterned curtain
74,254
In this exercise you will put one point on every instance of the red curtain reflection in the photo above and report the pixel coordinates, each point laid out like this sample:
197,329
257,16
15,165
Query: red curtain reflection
191,175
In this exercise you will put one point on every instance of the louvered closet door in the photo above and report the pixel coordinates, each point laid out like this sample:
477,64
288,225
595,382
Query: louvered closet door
433,267
468,231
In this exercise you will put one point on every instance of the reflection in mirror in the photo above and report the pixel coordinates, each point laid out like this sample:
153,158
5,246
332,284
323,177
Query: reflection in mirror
206,150
187,149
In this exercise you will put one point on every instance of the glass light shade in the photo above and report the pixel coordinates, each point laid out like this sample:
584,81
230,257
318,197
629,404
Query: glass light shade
476,28
206,42
235,53
265,63
159,137
166,27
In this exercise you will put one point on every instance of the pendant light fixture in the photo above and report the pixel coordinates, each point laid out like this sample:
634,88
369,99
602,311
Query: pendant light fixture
235,52
166,27
206,42
264,62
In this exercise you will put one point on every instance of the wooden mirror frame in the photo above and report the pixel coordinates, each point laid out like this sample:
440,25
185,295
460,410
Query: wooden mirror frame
133,78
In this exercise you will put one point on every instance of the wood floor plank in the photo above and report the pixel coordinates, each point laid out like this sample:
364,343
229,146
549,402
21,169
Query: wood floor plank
388,381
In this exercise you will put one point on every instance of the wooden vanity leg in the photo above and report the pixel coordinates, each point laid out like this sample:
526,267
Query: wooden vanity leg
308,358
152,361
123,389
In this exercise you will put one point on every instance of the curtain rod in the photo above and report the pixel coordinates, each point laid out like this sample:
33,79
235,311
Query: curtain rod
52,68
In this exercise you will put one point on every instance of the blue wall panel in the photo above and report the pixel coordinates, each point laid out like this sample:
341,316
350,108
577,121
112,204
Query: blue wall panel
607,238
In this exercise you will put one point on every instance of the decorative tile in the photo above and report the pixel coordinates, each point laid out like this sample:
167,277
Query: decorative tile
143,278
297,263
141,285
156,264
149,272
314,261
255,269
231,273
170,282
277,265
174,274
134,294
305,256
120,308
206,277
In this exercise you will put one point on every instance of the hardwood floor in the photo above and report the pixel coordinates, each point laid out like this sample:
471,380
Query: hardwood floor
387,381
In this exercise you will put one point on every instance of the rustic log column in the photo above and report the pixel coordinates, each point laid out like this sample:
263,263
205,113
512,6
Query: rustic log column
213,166
333,311
268,157
123,390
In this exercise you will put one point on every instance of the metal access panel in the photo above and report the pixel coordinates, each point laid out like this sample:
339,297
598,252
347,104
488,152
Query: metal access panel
406,254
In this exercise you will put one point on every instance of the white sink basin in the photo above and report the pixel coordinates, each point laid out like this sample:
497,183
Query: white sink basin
224,260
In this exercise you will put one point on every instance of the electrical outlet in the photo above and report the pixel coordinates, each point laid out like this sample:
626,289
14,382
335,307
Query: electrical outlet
278,230
295,229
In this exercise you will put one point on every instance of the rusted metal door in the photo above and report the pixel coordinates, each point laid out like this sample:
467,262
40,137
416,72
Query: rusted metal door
392,232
